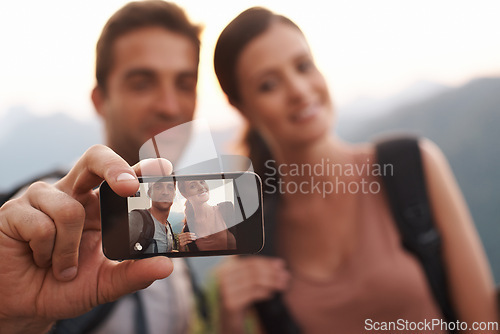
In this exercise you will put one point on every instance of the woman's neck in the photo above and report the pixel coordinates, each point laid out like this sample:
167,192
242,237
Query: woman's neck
201,210
303,162
306,172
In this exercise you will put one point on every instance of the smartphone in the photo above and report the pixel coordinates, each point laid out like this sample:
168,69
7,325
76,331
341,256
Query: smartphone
183,216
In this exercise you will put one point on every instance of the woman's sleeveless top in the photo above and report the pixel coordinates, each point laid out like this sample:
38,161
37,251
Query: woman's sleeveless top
381,285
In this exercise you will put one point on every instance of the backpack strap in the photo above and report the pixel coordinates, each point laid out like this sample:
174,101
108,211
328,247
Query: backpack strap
175,244
56,174
409,203
85,323
148,230
227,212
274,315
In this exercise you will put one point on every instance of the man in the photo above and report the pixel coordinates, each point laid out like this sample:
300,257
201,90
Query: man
150,231
52,262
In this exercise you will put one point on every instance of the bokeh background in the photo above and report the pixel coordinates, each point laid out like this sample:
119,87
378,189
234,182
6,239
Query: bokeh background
427,67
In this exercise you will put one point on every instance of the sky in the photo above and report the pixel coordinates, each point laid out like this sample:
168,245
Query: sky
364,48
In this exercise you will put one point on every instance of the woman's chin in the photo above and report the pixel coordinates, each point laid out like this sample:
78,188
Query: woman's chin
311,135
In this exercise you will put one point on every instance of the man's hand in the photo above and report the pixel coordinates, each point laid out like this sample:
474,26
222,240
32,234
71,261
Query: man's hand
51,259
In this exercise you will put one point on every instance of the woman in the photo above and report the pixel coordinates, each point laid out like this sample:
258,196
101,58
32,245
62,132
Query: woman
205,226
341,266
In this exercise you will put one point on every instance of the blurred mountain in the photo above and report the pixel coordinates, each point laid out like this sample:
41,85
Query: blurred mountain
464,122
369,107
31,145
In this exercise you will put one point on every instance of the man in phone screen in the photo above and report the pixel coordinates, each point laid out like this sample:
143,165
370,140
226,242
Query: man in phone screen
150,231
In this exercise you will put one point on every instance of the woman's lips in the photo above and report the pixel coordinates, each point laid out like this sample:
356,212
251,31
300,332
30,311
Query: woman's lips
202,193
306,114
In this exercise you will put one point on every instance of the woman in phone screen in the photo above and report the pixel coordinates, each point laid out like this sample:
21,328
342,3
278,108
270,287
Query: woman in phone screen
205,226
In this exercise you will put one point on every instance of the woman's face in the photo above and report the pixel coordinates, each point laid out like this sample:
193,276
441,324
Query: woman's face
196,191
282,92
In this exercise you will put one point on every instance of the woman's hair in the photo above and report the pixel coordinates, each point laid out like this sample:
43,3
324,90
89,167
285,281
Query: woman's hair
188,211
238,33
234,38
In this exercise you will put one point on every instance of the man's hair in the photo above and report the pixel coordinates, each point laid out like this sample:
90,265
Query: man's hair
136,15
151,184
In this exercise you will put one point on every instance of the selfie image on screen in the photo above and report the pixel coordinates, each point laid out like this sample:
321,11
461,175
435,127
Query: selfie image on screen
185,215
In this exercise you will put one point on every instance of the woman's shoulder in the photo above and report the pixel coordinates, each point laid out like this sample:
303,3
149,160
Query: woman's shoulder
359,152
431,153
225,205
226,210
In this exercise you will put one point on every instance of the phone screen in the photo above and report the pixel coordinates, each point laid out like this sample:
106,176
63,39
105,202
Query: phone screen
188,215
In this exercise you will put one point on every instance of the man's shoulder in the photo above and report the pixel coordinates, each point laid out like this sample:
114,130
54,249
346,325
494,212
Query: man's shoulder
49,177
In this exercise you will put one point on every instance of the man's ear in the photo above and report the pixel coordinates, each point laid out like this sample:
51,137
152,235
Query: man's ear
98,98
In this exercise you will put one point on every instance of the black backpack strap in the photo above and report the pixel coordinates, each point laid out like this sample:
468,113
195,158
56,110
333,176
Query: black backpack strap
227,211
85,323
148,230
192,247
90,321
57,174
408,200
175,245
201,298
273,314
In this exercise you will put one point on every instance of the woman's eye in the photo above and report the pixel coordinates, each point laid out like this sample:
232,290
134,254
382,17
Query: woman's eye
267,86
305,66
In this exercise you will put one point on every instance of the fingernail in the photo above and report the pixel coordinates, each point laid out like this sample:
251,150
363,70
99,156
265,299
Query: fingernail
125,177
68,273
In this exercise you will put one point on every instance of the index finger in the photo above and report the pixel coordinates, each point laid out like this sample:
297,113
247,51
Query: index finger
99,163
153,167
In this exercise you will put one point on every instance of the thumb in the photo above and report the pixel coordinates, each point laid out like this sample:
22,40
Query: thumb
129,276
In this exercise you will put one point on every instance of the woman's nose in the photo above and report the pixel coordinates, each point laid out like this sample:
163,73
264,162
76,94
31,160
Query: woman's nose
298,88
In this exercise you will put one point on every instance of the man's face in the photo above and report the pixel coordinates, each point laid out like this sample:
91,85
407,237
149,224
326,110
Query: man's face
162,195
151,87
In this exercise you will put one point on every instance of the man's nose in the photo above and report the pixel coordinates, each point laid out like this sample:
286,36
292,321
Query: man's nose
167,102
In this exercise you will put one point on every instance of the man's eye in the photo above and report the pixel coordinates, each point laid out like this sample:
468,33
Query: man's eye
140,85
187,84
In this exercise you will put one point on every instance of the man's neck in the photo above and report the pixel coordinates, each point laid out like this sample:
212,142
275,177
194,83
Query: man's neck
161,216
